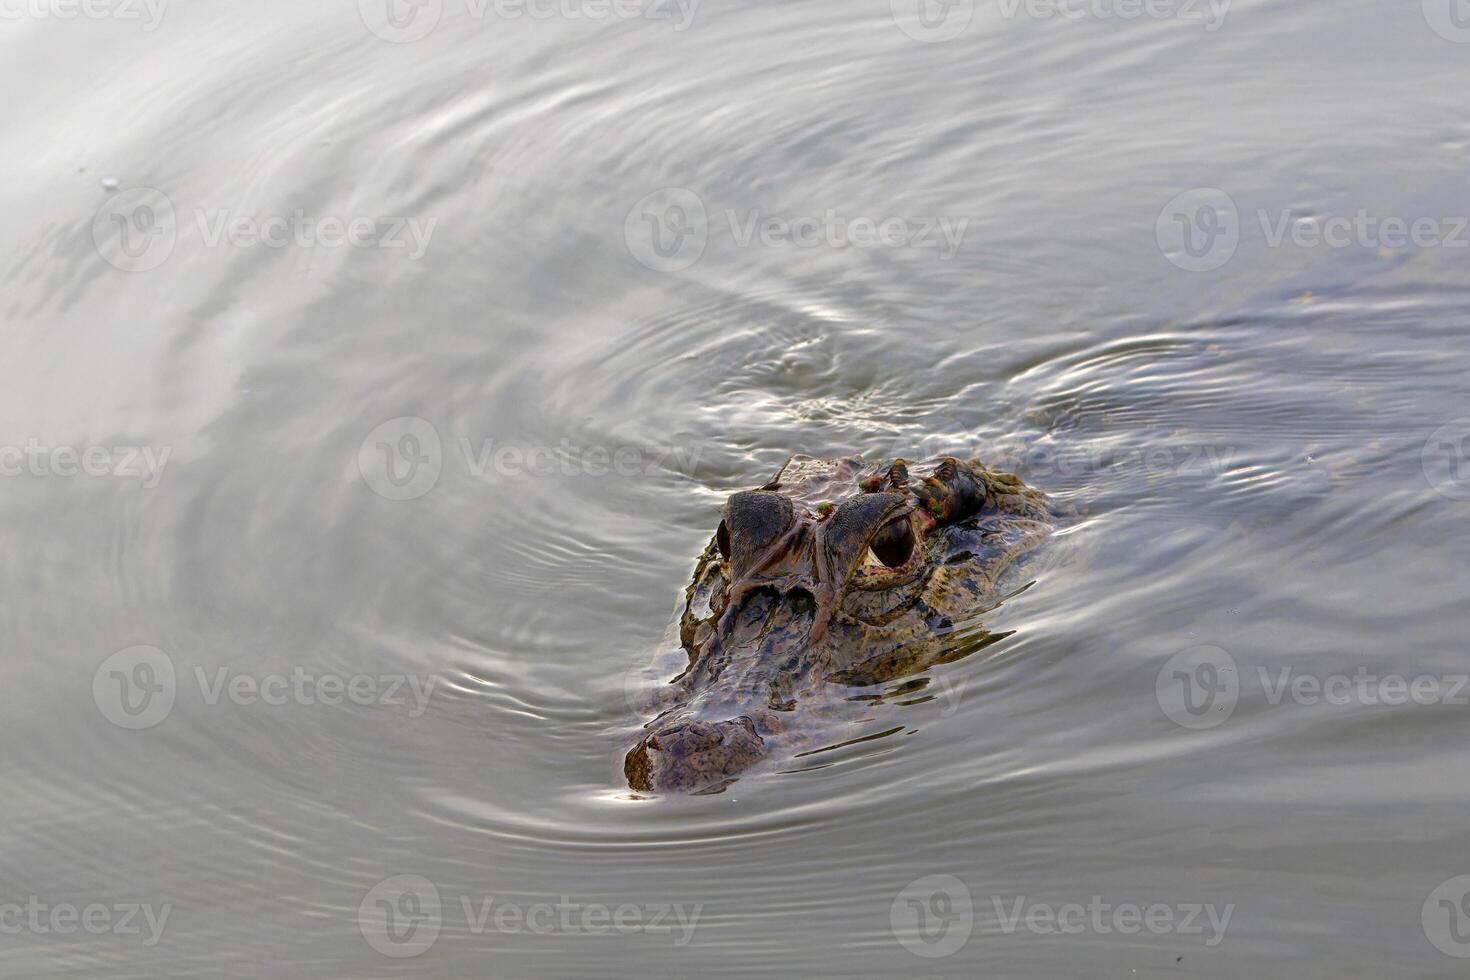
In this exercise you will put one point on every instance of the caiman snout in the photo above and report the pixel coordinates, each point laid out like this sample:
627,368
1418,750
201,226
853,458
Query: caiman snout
691,756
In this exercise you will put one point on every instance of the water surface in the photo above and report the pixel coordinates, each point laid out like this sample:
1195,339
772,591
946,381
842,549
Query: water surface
608,271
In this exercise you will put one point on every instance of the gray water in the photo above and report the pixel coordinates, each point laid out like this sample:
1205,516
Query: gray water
334,569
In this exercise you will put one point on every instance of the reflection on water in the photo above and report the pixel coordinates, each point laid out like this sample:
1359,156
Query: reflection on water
378,373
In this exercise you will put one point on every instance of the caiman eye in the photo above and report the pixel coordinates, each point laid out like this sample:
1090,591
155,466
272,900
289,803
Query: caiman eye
722,540
894,544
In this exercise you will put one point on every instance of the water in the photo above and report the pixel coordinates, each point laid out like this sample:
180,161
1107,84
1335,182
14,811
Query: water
1265,445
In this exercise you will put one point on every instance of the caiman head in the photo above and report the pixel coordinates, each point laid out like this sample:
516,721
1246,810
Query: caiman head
836,572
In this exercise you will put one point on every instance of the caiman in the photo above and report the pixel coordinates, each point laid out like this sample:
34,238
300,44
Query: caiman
834,576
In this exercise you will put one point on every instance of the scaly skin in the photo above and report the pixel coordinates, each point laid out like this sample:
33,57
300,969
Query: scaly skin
837,574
